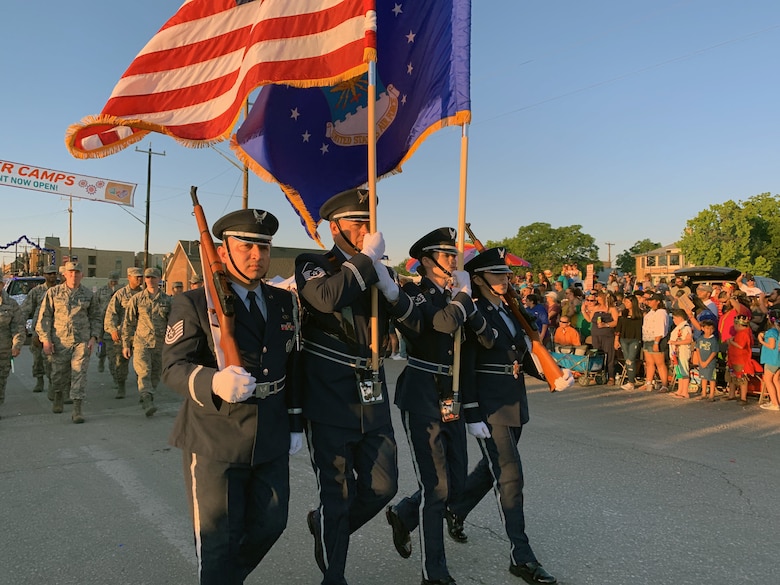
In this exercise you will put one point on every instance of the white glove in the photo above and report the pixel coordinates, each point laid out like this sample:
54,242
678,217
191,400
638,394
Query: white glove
564,381
461,282
233,384
386,285
478,430
374,246
296,442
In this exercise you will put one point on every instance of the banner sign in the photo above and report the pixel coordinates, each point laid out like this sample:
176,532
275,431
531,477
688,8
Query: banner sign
67,184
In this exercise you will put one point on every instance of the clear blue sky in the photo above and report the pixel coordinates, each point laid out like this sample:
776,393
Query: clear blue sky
627,118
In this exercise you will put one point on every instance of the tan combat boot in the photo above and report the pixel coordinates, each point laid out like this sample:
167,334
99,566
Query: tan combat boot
77,416
38,384
57,406
147,403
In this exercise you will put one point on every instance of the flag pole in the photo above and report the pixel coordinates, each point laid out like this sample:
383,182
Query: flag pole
464,160
372,209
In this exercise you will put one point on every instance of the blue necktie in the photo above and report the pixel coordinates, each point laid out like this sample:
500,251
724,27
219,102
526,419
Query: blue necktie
255,312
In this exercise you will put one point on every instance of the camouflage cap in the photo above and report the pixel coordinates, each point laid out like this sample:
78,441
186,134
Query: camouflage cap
113,275
50,269
152,272
135,271
73,266
195,279
177,284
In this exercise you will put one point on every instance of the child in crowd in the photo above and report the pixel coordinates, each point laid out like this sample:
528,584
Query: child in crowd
706,348
770,358
680,351
740,358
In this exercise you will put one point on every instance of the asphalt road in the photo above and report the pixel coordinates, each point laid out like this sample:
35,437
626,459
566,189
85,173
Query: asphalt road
621,488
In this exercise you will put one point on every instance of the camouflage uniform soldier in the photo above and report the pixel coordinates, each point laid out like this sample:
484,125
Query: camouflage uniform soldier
12,336
104,295
69,326
41,366
195,281
143,334
112,324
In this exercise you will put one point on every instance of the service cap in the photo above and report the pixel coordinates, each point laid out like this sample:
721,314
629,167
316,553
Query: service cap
490,260
73,266
152,272
253,226
50,269
177,284
439,240
352,205
134,271
113,275
195,279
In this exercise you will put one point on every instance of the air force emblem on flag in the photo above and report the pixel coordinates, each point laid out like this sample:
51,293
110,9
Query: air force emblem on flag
348,103
174,332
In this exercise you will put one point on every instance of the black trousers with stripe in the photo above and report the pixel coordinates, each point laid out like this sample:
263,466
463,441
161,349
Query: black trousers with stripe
440,463
501,469
357,475
239,511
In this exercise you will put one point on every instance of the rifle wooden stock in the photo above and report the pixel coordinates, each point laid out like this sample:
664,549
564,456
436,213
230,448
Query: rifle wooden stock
550,368
215,279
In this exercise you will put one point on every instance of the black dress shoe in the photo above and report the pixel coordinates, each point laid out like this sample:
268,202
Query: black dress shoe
445,581
313,520
401,539
455,526
532,573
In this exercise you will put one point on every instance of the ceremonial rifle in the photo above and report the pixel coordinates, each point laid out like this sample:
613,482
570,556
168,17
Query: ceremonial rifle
215,279
550,368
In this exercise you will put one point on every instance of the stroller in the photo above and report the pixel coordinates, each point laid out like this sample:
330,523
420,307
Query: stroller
587,365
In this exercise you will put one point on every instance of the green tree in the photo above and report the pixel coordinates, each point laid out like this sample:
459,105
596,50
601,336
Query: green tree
626,262
547,247
401,268
744,235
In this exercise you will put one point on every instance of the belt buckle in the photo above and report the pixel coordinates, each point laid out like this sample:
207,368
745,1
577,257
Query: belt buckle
263,390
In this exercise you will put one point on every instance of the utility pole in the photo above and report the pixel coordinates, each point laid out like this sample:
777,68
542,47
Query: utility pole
609,252
245,170
148,198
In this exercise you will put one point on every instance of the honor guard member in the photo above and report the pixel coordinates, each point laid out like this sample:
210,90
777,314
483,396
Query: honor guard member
429,410
351,441
69,326
41,365
177,288
496,408
12,336
104,294
112,324
237,426
143,334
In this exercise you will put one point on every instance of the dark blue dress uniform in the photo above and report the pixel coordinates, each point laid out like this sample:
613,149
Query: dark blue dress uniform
438,447
236,461
494,392
351,444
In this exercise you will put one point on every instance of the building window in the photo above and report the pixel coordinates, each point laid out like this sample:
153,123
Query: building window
91,271
674,260
662,261
118,265
650,261
91,260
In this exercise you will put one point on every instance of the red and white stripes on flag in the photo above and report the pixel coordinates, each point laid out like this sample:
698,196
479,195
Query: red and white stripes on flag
191,79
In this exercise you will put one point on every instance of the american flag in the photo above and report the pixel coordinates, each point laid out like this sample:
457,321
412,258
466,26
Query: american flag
192,78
